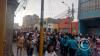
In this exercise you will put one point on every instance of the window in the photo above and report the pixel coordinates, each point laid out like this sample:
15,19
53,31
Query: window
98,4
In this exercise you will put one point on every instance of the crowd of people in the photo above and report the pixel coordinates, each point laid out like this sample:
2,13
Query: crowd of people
58,42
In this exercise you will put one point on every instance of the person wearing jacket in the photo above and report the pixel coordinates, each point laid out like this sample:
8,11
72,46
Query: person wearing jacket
73,46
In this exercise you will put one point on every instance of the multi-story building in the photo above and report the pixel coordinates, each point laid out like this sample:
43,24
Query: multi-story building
29,21
89,17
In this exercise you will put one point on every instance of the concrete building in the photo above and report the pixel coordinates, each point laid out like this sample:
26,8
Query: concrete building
51,24
29,21
89,16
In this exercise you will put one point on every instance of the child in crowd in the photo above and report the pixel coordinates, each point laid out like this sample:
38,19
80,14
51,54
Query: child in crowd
50,51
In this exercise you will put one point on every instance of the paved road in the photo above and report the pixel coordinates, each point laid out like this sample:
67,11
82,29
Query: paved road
24,51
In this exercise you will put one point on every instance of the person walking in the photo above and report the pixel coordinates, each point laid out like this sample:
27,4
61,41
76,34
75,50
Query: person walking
73,46
65,44
30,45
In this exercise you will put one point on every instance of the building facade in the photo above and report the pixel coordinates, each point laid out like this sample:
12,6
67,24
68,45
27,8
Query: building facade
29,21
65,26
51,24
89,17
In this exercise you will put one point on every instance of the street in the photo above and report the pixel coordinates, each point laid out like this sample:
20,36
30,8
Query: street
24,51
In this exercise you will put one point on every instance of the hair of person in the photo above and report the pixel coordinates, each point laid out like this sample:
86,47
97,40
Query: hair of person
48,47
98,36
72,37
21,33
30,35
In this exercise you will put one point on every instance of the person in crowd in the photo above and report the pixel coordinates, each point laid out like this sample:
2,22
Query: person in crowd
50,51
48,39
77,38
65,44
57,45
20,43
73,46
84,48
30,45
98,45
62,44
56,42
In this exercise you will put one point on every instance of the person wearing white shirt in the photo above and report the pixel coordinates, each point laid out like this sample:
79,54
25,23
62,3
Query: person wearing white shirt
50,51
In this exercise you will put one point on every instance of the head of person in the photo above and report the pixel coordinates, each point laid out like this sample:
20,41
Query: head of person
65,34
72,36
21,34
30,37
50,48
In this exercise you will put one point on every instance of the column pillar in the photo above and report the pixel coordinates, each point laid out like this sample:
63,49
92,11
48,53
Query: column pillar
2,26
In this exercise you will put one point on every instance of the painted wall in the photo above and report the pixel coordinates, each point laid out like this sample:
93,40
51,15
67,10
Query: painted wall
74,28
65,25
89,9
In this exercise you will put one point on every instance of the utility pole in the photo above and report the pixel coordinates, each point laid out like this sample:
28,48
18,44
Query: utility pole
72,16
3,7
41,29
72,11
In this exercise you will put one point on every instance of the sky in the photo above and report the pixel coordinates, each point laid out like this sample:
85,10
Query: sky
52,8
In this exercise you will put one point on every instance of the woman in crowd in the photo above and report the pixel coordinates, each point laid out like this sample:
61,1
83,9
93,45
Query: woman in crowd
20,43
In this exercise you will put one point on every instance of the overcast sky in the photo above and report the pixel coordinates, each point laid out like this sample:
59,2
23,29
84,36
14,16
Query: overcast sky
52,8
